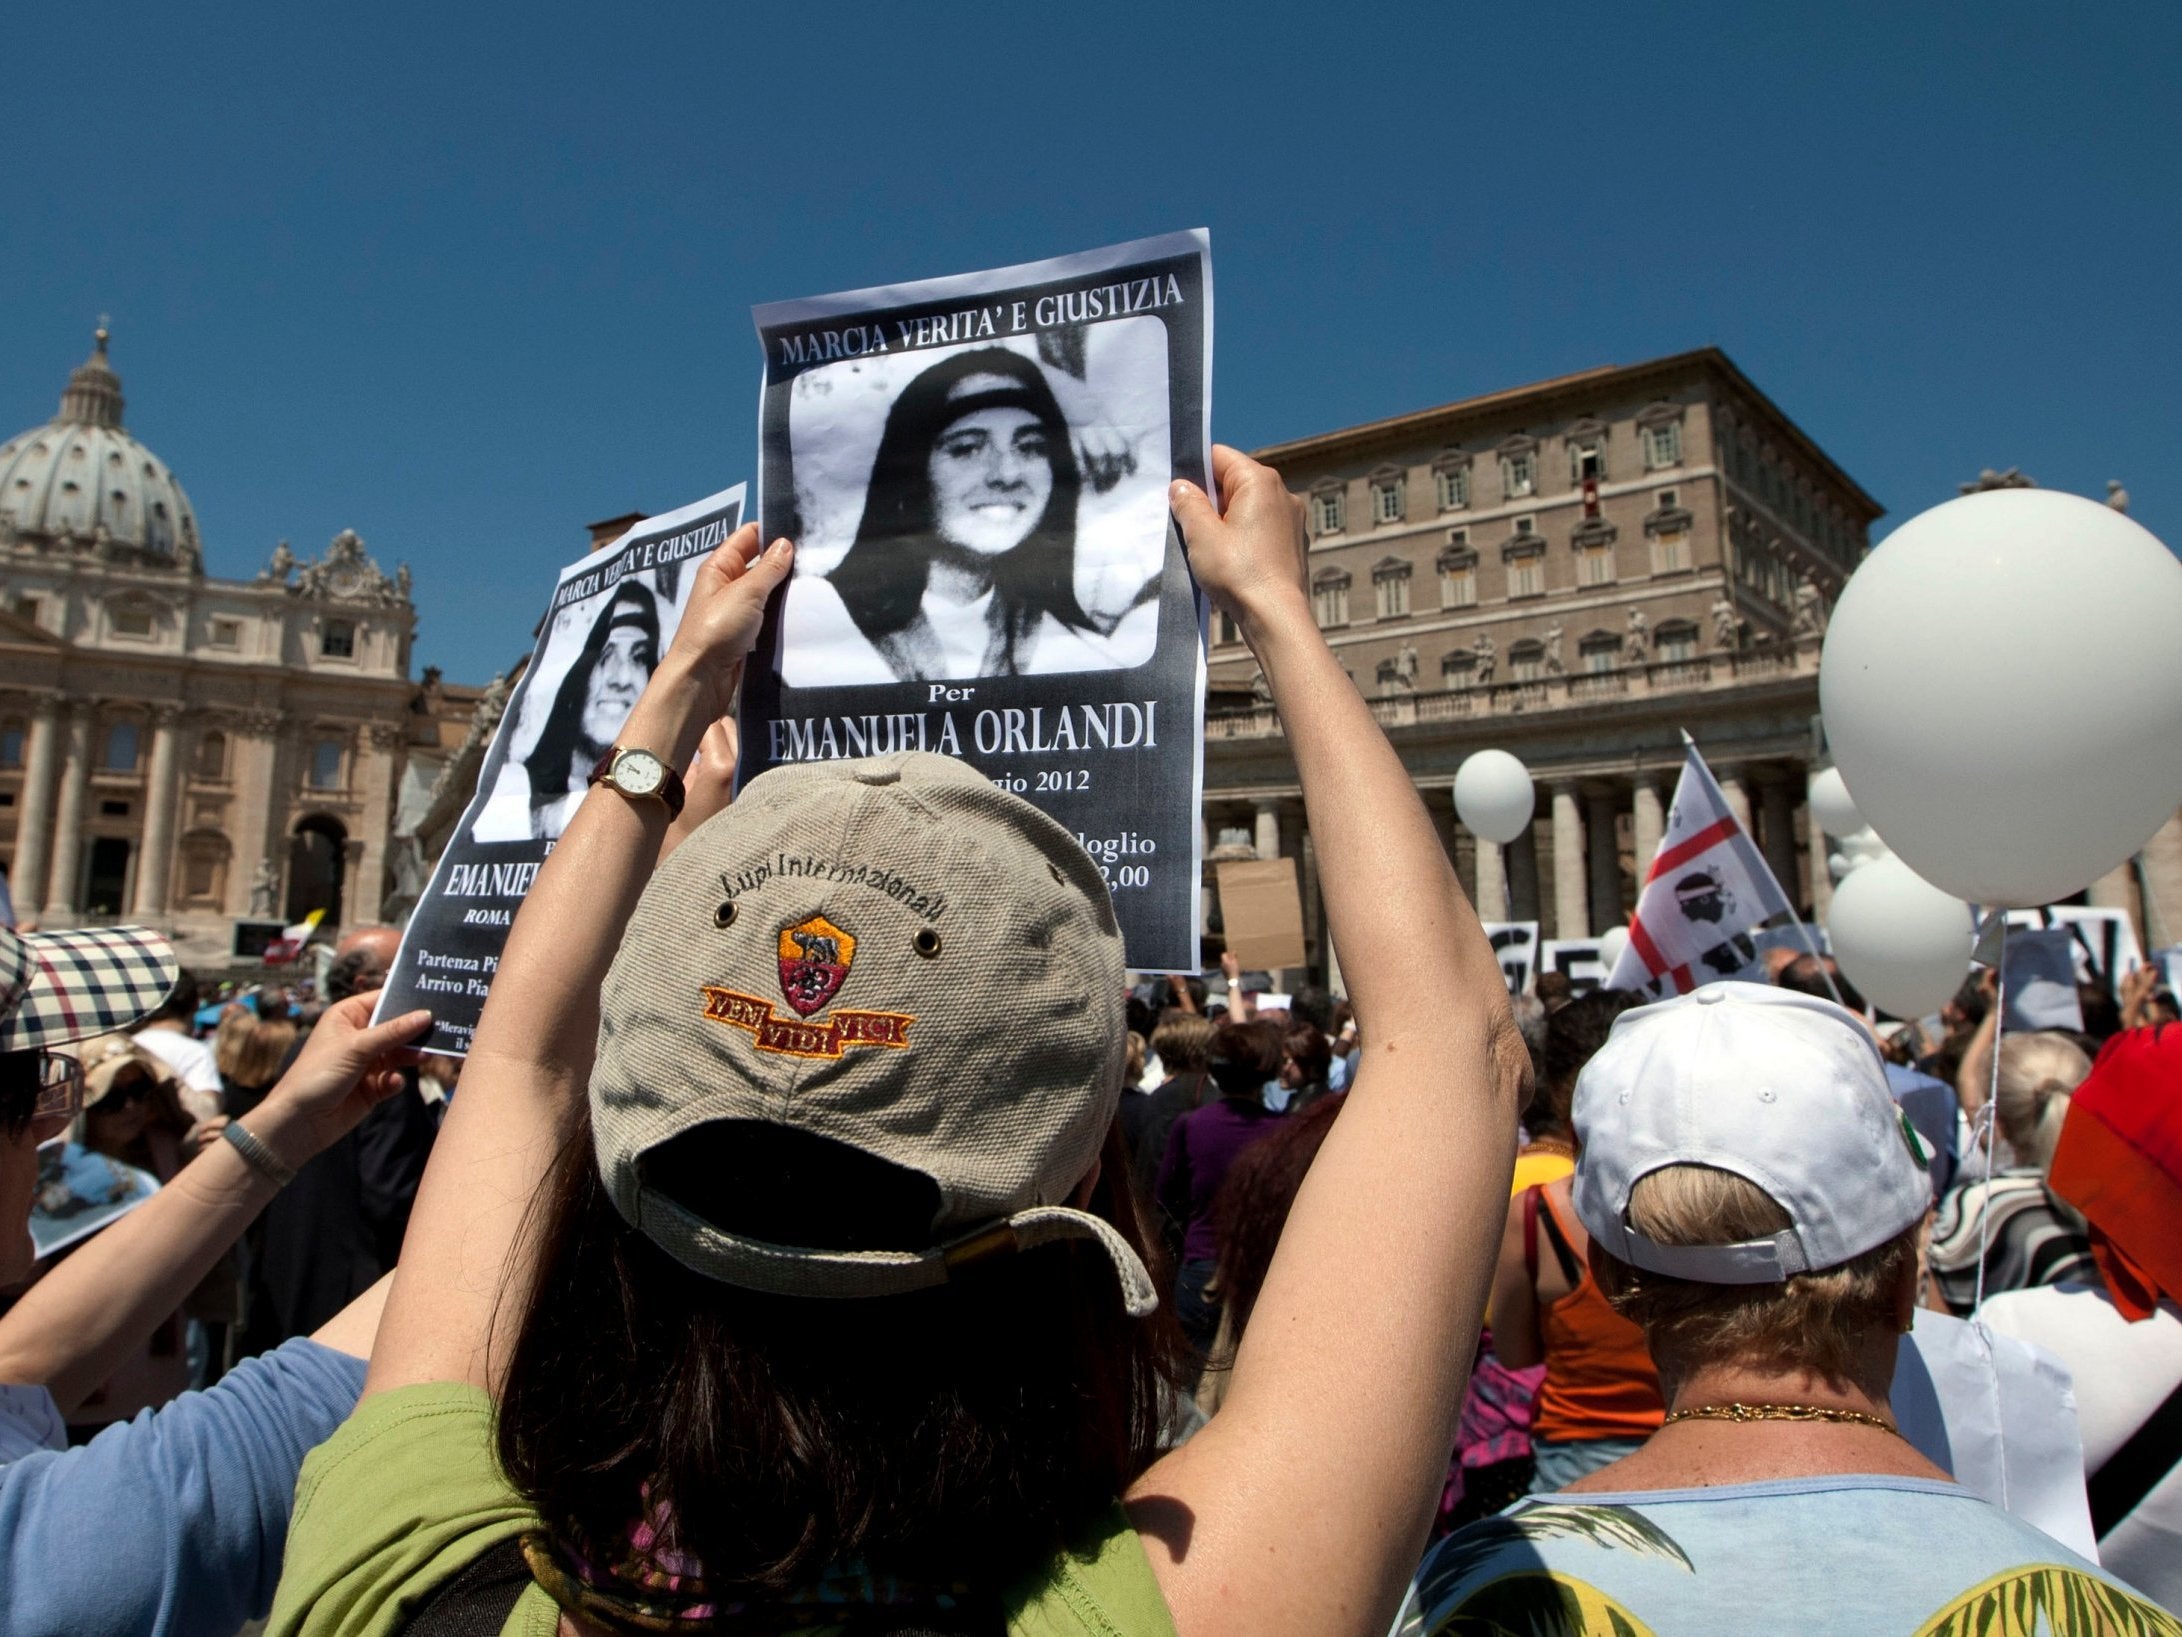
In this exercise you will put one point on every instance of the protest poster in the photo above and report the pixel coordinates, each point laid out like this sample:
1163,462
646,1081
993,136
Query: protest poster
1261,913
1515,943
1581,960
2038,982
2105,940
611,617
974,470
79,1192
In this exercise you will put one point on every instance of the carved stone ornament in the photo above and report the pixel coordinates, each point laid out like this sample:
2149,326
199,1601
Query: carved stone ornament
1592,531
264,889
261,722
347,574
387,735
282,565
1556,664
1637,645
1810,612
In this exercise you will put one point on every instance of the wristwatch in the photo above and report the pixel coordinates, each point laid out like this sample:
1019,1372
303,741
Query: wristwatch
639,774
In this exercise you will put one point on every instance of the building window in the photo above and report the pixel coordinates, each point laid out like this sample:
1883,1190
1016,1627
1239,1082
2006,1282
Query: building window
1670,551
1595,562
11,744
1330,592
337,640
212,756
1458,574
224,634
1458,668
1453,483
1587,461
1526,524
1675,640
1386,499
1326,511
120,756
1663,445
326,765
1224,632
1600,651
26,608
1527,662
1518,475
132,620
1390,584
1527,573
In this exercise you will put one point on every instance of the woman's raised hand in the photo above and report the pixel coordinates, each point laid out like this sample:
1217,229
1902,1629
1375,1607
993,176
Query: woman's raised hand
701,672
1249,557
346,1067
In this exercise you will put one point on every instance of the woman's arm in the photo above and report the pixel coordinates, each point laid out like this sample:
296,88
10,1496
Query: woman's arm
76,1324
1303,1506
464,1278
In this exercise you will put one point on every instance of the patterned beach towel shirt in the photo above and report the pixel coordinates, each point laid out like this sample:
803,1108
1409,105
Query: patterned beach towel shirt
1868,1556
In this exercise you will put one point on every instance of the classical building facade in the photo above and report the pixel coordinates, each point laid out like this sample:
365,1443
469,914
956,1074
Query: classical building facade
1577,572
175,749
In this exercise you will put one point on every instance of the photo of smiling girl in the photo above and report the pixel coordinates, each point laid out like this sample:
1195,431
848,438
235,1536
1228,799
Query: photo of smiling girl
965,560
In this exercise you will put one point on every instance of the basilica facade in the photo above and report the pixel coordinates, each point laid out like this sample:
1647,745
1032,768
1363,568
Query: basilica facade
177,750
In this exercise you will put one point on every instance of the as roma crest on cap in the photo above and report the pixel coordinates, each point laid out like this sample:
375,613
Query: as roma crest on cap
815,957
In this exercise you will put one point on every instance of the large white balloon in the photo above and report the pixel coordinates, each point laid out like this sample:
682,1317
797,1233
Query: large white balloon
2002,688
1832,806
1613,943
1493,795
1899,939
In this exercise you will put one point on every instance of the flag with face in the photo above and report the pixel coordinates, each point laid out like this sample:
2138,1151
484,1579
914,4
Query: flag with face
1708,891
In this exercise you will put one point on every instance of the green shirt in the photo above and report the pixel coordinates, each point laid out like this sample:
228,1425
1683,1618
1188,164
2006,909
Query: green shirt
408,1494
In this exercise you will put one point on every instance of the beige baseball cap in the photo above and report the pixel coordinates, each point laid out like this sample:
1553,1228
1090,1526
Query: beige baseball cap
892,954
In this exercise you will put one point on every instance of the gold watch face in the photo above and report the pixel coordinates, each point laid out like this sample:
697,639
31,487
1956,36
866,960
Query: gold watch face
639,773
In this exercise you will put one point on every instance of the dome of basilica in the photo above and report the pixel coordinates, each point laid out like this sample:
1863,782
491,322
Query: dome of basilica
80,476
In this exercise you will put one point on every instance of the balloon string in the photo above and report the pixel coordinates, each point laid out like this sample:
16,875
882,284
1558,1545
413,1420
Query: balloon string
1985,1132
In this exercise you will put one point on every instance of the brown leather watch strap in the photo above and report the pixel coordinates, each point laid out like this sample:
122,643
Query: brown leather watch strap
671,792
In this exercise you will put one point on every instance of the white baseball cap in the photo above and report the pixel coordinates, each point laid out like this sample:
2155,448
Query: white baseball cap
1782,1089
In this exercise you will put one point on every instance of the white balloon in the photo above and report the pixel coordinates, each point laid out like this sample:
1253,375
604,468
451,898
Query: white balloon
1899,939
1612,943
1832,805
1493,795
2002,687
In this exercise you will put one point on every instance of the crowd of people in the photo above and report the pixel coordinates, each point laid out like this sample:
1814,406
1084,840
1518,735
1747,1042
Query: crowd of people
995,1293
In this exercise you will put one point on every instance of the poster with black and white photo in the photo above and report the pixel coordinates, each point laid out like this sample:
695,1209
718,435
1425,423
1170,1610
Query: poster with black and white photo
611,617
975,472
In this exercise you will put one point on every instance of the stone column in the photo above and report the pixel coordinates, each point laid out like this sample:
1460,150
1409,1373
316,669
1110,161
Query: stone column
1602,844
254,767
1571,916
34,822
1522,862
1738,797
60,897
1777,806
161,788
1492,881
1648,819
1821,876
1268,832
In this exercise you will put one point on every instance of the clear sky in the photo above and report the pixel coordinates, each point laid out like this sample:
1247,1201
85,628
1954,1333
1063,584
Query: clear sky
464,277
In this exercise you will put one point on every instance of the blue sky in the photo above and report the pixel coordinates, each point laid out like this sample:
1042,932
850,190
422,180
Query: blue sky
465,277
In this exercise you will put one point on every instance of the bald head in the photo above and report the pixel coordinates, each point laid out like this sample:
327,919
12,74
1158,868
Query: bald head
361,961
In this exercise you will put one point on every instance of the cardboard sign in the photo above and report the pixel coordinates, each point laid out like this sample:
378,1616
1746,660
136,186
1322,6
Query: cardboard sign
1582,960
1262,912
2038,977
2106,948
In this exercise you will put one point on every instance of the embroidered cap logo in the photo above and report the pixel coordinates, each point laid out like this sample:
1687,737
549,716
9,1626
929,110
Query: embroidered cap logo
815,957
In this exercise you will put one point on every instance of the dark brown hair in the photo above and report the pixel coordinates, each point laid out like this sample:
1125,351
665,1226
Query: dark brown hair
1245,1056
959,1434
1252,1206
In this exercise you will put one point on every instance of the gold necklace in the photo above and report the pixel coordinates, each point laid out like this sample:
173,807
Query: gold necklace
1781,1412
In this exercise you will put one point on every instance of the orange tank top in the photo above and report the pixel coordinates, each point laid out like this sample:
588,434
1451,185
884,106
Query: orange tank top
1600,1382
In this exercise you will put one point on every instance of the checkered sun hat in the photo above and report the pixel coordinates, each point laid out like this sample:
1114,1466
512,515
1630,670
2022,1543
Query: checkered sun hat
61,986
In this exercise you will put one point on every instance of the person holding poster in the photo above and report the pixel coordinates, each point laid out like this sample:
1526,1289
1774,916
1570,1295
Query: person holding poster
974,470
804,1130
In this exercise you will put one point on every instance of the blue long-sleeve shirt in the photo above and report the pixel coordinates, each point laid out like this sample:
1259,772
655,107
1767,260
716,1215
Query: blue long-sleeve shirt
173,1523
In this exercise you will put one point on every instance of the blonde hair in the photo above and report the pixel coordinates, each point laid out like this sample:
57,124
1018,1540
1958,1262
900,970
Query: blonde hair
249,1050
1184,1044
1818,1321
2037,1073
